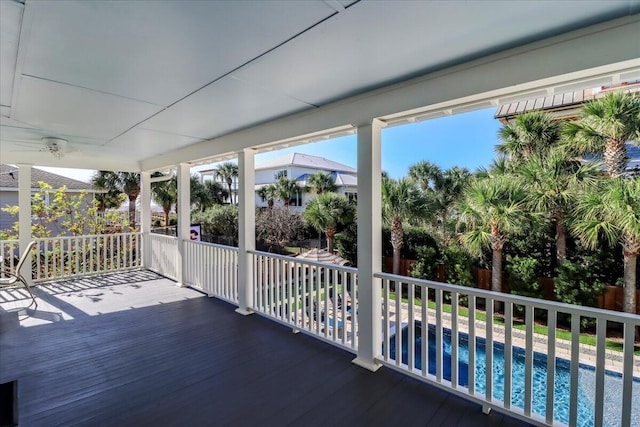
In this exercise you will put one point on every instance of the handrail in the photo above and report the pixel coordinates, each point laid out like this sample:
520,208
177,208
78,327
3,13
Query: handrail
613,316
306,261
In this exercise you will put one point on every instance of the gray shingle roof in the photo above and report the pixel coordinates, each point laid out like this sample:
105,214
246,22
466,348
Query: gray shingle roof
56,181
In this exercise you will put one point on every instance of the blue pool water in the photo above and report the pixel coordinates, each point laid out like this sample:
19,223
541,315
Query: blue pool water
586,389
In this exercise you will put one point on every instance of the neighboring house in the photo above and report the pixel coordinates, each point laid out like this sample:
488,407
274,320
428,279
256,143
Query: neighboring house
567,106
9,178
300,167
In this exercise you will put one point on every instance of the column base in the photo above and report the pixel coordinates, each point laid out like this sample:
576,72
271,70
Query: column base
366,364
244,312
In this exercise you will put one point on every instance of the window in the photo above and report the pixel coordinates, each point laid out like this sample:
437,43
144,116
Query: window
353,197
280,174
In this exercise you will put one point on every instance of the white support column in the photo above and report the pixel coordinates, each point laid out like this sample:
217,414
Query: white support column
24,216
145,215
247,229
369,245
184,217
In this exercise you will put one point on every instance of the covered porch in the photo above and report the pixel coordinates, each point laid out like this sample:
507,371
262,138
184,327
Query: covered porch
131,348
207,82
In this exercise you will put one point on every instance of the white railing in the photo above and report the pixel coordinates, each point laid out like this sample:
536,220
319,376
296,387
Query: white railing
161,254
312,297
534,376
212,269
72,256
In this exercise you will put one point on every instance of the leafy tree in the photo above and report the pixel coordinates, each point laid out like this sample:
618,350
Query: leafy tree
65,214
228,171
124,182
346,242
492,209
277,226
529,133
401,201
611,212
322,182
328,211
605,125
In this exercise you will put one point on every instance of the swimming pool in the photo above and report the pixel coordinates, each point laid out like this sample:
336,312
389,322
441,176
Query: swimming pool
586,388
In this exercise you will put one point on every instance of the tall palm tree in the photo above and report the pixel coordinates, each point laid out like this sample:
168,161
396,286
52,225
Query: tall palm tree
125,182
553,181
165,194
328,211
285,189
322,182
605,125
529,133
401,201
228,171
611,211
491,209
443,188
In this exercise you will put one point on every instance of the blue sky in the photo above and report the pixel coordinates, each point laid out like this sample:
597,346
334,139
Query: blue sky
463,140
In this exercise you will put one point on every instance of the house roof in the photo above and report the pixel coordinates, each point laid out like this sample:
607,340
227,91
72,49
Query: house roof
54,180
568,102
340,179
306,161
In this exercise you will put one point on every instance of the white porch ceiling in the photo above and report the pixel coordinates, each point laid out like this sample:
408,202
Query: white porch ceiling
127,82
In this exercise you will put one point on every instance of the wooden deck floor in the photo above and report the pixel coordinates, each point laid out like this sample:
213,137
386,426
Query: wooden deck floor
132,349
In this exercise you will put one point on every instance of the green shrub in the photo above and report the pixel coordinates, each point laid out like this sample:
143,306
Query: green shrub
426,263
458,264
346,242
414,238
523,276
218,221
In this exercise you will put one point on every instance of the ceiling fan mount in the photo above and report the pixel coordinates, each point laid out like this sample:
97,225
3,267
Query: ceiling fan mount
55,146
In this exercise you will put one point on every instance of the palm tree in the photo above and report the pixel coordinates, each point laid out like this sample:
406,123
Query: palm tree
227,172
491,209
605,125
552,182
285,189
328,211
401,201
165,194
111,198
211,193
268,194
529,133
125,182
443,188
611,211
322,182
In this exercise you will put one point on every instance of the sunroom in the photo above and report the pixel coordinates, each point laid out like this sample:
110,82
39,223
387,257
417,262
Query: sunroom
157,86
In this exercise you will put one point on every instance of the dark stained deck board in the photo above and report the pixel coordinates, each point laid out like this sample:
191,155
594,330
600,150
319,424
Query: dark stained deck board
196,362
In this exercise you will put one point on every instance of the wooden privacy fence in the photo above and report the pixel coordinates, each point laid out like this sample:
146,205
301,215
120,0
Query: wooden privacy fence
611,300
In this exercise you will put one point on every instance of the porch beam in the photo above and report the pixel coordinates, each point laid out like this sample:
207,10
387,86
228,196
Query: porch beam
247,229
145,214
24,216
369,244
184,217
